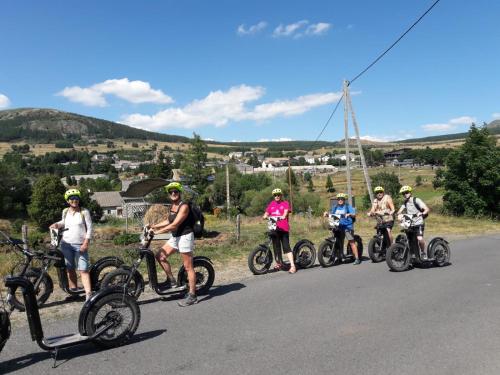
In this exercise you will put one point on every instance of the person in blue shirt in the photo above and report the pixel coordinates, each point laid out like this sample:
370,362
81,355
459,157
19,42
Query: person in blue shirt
347,213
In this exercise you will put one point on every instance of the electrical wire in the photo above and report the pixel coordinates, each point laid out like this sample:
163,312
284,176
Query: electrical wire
369,66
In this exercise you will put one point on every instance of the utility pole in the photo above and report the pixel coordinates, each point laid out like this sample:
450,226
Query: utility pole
227,191
346,136
290,184
360,148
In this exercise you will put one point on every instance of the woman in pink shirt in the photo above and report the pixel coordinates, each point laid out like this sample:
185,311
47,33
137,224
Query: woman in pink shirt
279,208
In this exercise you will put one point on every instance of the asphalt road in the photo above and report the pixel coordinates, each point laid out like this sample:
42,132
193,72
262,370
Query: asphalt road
341,320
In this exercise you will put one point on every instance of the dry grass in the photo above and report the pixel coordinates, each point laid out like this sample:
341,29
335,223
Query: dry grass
155,214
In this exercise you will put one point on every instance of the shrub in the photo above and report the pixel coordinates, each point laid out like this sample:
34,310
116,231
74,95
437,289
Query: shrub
126,239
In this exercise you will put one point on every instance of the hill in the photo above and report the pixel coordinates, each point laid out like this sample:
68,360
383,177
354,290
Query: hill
49,125
493,127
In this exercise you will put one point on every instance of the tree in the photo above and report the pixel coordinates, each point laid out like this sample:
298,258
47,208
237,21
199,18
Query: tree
390,183
438,179
307,177
47,201
310,186
472,176
163,168
418,180
194,165
15,190
329,185
290,176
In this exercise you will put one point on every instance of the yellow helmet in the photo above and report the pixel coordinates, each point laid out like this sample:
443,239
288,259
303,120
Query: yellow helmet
341,196
172,186
405,189
277,191
378,189
72,193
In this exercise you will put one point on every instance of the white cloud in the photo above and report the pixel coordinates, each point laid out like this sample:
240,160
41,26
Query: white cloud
350,26
300,29
289,30
495,115
379,138
464,120
221,107
254,29
208,139
4,101
275,140
131,91
451,125
437,127
318,28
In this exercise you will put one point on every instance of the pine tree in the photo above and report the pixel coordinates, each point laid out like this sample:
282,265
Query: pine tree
329,185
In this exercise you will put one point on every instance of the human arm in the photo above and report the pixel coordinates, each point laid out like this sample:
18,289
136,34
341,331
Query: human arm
390,203
88,234
423,206
182,215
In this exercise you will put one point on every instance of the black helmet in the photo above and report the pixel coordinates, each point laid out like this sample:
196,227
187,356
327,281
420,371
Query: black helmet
4,328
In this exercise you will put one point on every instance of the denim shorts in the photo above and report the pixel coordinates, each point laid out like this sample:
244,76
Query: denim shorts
74,258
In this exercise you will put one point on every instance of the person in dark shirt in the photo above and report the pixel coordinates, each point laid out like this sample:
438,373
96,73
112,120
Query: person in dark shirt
180,223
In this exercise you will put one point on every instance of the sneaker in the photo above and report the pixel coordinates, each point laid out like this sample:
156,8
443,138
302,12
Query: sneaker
190,299
423,256
87,297
357,261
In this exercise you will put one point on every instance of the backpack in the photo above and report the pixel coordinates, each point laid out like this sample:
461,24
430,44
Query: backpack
65,213
346,206
417,206
199,219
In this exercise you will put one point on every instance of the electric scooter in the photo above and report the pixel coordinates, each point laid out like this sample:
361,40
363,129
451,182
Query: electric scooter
39,276
405,251
331,251
261,257
377,247
108,319
130,278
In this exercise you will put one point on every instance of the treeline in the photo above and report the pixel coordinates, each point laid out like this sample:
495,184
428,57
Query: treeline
432,156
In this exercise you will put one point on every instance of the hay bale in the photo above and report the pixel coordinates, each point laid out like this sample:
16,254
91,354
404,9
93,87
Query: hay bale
106,233
155,214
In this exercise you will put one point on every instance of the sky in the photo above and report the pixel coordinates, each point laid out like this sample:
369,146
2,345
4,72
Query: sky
255,70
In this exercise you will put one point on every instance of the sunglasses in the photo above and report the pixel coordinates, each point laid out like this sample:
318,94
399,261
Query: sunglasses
174,192
276,195
407,192
74,198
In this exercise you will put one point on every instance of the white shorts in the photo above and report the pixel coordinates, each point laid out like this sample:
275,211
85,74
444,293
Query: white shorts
184,243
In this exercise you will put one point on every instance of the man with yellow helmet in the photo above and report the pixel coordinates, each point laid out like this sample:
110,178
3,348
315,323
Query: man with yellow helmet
415,206
384,206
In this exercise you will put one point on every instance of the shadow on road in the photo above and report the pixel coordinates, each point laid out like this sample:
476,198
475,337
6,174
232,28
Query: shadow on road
65,355
220,290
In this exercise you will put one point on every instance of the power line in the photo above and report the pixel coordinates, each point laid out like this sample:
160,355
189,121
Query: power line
370,65
396,42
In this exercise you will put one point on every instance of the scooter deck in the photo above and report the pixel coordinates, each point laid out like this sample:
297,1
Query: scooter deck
64,340
171,290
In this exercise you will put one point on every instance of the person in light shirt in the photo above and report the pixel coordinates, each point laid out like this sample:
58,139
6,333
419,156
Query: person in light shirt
75,240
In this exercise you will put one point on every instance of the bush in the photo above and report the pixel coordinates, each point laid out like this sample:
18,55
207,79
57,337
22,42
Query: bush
47,201
391,185
126,239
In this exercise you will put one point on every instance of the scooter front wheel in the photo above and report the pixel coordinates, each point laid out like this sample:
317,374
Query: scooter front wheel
259,260
42,292
118,310
326,254
375,250
398,257
120,276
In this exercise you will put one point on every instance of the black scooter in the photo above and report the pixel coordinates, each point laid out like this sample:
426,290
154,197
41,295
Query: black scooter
331,250
39,276
108,319
405,251
130,278
377,247
260,258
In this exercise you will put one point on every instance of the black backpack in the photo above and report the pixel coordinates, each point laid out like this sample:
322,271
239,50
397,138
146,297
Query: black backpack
199,219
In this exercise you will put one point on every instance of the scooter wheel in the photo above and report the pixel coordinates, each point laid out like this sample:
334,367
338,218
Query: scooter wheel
118,310
326,256
259,260
375,250
119,277
43,292
396,258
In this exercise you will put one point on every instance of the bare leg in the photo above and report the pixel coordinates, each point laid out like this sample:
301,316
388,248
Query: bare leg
85,275
72,283
187,260
389,233
289,255
162,258
421,243
354,248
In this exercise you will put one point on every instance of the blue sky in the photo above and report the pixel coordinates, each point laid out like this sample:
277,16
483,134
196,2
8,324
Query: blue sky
255,70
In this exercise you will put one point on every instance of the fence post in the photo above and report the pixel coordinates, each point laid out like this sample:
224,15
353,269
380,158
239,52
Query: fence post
238,227
126,218
24,235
